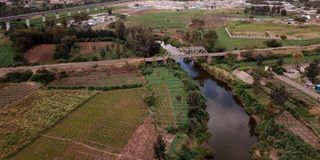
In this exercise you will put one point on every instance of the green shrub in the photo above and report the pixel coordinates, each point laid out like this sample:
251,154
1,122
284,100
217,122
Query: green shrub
17,76
43,75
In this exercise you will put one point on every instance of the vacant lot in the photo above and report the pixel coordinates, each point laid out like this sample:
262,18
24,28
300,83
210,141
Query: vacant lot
100,129
11,93
40,53
273,29
175,88
110,77
86,48
22,122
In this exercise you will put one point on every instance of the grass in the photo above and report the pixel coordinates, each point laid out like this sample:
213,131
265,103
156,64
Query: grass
177,144
104,124
22,122
176,89
165,19
6,55
224,41
260,28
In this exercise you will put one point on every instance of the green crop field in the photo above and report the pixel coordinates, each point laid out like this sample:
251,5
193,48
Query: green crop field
22,122
176,89
99,129
165,117
165,19
6,55
260,28
224,41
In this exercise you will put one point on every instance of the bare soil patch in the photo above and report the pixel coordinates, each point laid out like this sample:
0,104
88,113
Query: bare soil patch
215,21
87,48
40,53
11,93
140,145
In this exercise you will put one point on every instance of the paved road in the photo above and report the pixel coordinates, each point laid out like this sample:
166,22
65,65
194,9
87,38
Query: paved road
298,86
63,10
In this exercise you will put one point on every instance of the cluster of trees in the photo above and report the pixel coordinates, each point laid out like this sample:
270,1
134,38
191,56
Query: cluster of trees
41,75
265,10
313,71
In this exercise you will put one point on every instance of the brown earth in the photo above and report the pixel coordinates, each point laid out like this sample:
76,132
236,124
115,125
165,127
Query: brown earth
140,145
87,48
40,53
215,21
12,93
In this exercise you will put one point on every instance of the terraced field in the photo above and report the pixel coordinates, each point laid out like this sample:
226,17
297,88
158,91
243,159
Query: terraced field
162,76
99,129
22,122
11,93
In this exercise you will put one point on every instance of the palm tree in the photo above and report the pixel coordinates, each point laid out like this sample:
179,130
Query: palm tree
160,148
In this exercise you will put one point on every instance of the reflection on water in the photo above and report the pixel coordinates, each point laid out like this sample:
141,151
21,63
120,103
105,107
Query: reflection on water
231,127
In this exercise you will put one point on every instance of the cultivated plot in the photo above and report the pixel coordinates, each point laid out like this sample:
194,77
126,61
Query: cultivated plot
99,129
177,95
22,122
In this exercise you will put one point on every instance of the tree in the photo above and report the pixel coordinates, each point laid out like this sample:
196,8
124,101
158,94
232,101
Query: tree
313,71
120,29
273,43
109,11
284,12
280,61
63,49
210,39
279,95
160,148
259,60
297,57
150,101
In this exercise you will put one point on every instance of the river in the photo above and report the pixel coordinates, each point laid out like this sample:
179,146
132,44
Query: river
231,127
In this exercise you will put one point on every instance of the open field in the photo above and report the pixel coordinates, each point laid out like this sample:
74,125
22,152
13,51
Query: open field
273,29
6,55
224,41
109,77
40,53
176,92
86,48
100,129
11,93
22,122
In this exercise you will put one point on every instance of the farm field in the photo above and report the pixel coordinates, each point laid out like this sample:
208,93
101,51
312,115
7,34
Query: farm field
40,53
165,117
111,77
100,129
224,41
11,93
22,122
6,55
176,91
260,29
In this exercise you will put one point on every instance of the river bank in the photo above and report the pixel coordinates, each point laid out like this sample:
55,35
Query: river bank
274,141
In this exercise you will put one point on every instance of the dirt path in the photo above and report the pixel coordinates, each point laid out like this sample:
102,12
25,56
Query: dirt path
74,66
299,129
298,86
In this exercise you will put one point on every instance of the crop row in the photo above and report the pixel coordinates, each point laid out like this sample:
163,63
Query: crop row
22,122
176,92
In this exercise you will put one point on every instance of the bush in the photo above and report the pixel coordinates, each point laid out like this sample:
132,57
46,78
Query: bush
17,76
43,75
150,101
278,69
273,43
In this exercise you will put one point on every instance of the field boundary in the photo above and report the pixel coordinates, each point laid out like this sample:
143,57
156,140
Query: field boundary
33,139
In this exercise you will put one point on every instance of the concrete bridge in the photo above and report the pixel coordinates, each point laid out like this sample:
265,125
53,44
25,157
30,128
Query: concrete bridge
58,11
